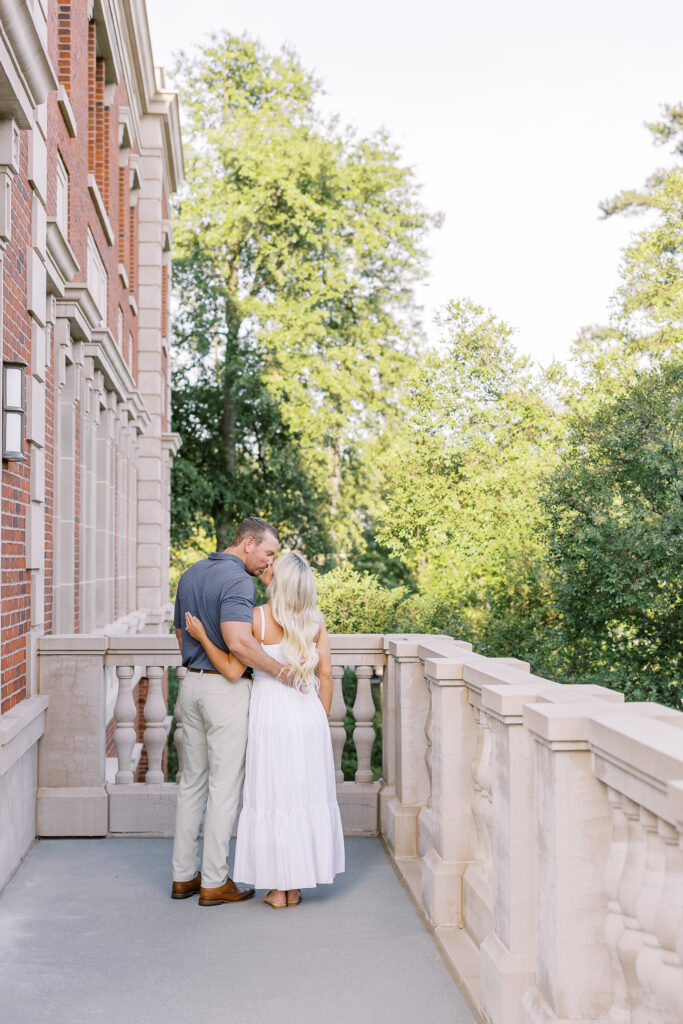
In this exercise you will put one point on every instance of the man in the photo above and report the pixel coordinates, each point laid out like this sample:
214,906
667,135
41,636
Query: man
220,591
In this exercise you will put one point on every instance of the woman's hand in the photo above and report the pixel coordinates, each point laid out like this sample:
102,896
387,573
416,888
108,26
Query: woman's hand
195,627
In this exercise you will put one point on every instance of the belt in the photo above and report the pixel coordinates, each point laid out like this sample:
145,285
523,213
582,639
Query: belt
247,674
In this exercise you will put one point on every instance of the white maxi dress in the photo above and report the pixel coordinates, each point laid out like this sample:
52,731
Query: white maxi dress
289,834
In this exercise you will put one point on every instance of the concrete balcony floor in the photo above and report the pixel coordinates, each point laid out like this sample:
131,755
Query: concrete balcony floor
88,933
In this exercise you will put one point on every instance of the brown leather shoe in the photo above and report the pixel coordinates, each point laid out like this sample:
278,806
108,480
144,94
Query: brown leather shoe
181,890
228,892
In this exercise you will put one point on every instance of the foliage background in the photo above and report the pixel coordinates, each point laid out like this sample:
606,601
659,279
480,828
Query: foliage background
534,512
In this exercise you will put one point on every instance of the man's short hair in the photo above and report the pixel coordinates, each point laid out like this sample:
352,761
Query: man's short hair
254,527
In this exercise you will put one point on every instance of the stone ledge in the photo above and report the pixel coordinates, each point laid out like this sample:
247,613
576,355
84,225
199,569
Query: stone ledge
68,116
20,728
71,643
100,209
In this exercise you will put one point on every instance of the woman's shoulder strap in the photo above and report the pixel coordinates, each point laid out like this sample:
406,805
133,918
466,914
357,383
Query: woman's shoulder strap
263,623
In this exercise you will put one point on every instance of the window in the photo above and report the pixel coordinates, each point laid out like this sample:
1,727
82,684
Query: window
119,332
97,277
62,198
13,410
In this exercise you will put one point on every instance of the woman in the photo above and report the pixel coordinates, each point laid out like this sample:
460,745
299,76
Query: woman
289,835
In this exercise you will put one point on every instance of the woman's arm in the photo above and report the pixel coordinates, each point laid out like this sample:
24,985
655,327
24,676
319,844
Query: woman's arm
324,670
227,664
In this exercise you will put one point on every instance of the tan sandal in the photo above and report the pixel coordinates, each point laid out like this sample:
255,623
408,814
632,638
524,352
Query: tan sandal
296,901
275,906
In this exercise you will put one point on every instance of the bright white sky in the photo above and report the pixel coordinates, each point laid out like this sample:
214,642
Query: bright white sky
518,117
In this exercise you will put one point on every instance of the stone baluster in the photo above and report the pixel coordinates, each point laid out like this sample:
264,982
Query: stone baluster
631,937
647,903
481,800
428,748
614,922
364,733
668,921
337,716
155,717
181,672
124,734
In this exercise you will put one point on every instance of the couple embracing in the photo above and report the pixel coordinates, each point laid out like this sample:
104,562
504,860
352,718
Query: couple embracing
259,680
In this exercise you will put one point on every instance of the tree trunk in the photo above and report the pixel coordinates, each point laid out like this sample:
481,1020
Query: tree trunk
227,515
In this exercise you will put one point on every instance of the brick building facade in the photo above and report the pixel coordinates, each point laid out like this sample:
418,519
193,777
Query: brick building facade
90,153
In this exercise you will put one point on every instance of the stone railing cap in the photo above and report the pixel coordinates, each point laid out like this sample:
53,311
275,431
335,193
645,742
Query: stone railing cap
450,669
12,722
563,721
72,643
495,671
508,701
638,743
675,802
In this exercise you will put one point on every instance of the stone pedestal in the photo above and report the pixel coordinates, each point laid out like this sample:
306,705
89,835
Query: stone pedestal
72,799
508,953
401,807
572,840
453,741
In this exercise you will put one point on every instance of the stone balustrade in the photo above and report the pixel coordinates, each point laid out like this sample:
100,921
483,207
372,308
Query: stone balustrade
74,796
538,827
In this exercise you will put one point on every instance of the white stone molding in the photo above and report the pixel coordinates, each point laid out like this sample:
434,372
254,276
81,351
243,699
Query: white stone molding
66,110
79,308
100,209
26,74
171,443
20,729
61,264
108,359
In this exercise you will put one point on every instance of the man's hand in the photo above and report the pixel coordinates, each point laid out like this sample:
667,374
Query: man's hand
286,675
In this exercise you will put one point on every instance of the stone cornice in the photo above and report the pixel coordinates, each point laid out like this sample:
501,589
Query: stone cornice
109,361
141,418
61,264
27,51
78,307
172,443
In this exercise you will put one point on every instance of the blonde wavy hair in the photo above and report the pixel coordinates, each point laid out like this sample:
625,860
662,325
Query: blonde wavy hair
293,601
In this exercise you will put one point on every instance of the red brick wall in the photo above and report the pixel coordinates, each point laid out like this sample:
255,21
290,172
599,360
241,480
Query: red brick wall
16,597
72,49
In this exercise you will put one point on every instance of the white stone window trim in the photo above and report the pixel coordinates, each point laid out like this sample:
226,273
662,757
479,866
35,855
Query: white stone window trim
97,276
62,197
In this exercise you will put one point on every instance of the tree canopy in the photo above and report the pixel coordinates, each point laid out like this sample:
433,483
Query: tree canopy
297,244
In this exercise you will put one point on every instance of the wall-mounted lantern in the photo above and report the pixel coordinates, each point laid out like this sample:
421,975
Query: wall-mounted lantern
13,410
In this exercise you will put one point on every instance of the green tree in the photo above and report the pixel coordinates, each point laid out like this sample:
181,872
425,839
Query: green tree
461,492
297,244
615,507
648,314
614,504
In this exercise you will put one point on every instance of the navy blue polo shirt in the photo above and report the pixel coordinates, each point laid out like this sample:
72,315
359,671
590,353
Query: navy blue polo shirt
217,589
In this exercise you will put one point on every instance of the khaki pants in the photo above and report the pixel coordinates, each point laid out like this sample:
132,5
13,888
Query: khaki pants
215,717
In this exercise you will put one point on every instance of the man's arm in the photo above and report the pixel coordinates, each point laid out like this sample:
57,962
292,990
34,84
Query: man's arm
240,640
179,638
